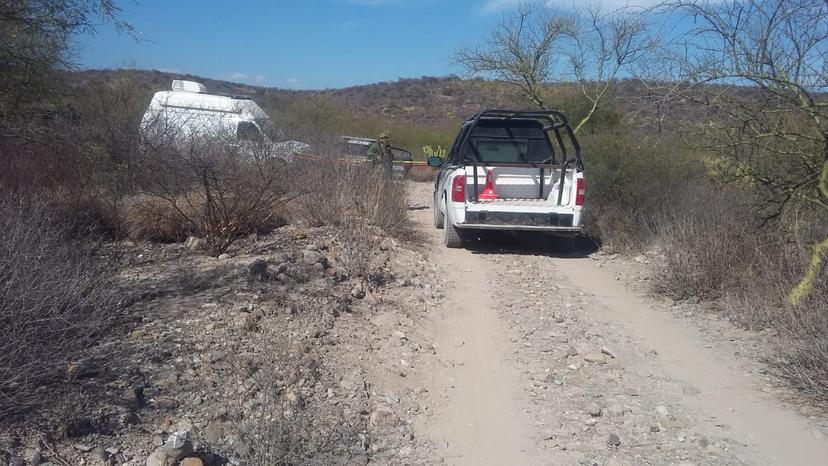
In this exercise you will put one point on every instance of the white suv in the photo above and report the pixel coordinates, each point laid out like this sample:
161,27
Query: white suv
510,170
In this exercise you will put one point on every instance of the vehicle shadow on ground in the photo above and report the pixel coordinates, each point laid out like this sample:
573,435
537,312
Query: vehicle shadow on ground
529,243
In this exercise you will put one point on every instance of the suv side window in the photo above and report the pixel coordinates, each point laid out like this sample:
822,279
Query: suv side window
248,131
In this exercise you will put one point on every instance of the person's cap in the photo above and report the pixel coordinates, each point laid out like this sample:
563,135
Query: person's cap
384,135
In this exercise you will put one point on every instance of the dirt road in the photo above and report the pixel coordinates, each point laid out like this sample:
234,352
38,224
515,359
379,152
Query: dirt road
542,359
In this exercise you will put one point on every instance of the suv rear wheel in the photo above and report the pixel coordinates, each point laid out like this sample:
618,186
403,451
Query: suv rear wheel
452,237
439,219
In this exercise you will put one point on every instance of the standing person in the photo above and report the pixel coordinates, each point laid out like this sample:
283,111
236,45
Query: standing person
380,151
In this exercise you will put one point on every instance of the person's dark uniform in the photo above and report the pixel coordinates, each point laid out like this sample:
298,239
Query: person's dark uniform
380,151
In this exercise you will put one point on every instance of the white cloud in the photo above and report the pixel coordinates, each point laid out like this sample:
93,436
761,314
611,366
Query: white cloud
368,2
237,76
293,83
496,6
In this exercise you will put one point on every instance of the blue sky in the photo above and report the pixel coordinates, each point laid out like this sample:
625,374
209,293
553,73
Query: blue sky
301,44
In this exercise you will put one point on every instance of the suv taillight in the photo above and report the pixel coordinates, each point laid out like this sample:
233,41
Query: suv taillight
458,189
580,191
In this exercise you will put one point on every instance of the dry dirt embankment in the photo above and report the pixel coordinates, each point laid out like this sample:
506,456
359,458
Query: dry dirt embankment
553,360
272,354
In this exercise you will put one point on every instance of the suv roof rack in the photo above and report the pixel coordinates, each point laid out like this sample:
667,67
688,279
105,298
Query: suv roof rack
552,120
554,117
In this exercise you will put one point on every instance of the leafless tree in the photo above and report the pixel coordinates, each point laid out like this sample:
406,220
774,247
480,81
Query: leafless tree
761,67
522,51
539,46
606,46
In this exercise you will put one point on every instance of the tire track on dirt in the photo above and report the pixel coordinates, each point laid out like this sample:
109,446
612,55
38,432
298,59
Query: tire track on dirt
480,422
726,394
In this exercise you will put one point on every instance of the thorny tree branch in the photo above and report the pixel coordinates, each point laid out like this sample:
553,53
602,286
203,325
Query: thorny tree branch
770,61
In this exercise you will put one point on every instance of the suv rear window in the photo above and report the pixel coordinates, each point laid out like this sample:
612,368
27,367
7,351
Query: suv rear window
500,151
508,141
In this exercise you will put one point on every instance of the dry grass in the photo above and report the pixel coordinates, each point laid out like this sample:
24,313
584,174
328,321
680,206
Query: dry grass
804,354
713,252
365,208
146,218
55,301
349,196
703,259
422,173
281,426
801,347
85,215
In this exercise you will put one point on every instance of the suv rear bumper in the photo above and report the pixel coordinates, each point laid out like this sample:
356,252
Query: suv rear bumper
563,222
563,231
513,219
525,221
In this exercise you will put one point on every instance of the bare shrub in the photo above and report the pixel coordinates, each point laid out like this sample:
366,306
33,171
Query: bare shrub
80,215
357,251
703,260
712,251
801,345
803,357
82,152
709,246
221,187
54,302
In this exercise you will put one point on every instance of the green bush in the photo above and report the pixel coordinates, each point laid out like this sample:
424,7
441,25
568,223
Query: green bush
630,181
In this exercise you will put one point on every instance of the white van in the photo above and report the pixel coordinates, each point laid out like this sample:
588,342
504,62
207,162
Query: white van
188,111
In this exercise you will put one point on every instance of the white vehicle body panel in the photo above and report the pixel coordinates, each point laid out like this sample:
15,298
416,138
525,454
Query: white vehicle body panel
520,170
188,112
185,113
514,185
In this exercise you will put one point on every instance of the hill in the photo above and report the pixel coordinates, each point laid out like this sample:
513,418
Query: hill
426,100
418,112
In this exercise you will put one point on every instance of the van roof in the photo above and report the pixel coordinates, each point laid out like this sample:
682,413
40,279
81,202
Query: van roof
208,102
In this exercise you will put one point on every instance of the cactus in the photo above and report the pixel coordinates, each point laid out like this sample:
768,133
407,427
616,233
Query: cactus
429,151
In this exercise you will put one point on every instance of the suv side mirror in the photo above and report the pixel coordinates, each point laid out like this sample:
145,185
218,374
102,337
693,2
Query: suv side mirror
435,162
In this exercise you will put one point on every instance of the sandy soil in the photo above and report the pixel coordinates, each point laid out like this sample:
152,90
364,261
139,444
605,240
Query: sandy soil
549,359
